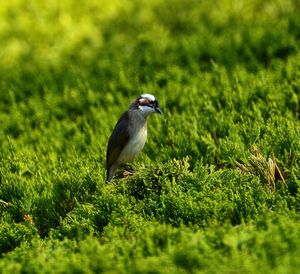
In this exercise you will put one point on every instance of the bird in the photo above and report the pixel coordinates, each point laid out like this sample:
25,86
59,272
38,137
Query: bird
130,133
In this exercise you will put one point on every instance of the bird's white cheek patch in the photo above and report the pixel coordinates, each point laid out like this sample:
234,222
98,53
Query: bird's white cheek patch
146,110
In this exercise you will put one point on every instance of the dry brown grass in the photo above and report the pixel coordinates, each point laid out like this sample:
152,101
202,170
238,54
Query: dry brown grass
266,168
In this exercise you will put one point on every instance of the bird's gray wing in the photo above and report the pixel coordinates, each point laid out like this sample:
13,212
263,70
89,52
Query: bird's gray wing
117,141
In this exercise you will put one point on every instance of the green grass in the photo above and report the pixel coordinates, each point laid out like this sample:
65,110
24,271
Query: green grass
216,189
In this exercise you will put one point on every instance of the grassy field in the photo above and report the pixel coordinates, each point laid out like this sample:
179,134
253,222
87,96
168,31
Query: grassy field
216,189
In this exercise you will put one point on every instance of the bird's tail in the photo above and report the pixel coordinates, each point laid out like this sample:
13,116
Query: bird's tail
110,172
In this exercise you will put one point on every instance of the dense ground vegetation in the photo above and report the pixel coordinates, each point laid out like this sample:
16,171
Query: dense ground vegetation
216,189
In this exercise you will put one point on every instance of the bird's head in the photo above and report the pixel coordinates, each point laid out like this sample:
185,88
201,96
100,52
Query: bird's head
148,104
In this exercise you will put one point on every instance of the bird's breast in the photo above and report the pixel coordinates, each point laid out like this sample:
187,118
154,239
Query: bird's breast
134,146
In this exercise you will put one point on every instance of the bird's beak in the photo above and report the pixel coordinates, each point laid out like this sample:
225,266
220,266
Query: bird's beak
158,110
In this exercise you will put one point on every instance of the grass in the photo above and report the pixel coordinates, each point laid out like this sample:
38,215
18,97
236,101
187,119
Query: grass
216,189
